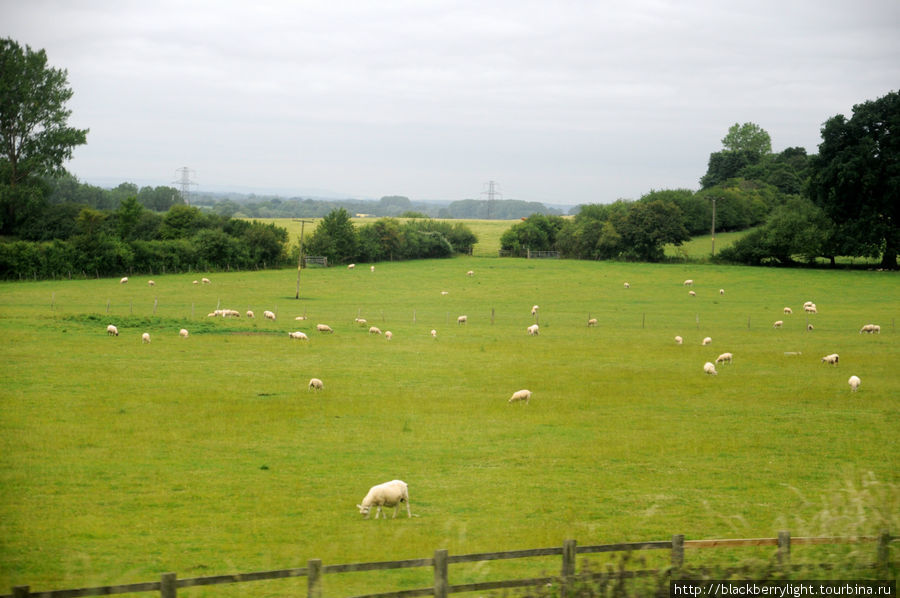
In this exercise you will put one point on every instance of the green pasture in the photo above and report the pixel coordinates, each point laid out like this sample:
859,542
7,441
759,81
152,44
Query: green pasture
208,456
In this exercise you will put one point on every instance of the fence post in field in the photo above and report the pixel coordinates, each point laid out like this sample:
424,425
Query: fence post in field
441,582
314,578
167,587
784,548
20,591
678,551
884,541
568,566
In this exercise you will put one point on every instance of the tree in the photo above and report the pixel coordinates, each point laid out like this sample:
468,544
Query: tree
748,137
744,146
34,135
649,226
856,176
334,237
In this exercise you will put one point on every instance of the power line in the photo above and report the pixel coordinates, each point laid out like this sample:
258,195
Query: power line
492,193
185,182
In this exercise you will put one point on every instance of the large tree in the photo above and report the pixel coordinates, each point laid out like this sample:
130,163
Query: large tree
744,146
35,138
855,178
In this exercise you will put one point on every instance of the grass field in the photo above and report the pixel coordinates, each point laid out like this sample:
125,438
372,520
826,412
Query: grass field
208,456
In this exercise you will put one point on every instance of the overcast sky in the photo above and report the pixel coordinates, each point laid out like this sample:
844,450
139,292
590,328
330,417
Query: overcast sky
563,102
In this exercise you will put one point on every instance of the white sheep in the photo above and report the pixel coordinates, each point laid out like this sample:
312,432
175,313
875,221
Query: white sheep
807,304
470,273
145,338
250,314
388,334
778,324
854,383
371,268
230,313
360,321
123,280
706,341
300,336
876,329
688,282
533,330
374,330
433,333
692,293
710,369
183,333
833,359
444,293
315,384
389,494
592,322
534,310
150,283
721,291
788,311
351,266
269,315
809,327
811,309
112,330
462,319
520,395
678,340
300,318
725,358
324,328
627,286
870,329
205,280
196,282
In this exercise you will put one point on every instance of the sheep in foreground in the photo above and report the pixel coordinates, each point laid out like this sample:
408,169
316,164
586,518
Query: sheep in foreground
706,341
123,280
389,494
462,319
721,291
870,329
470,273
678,340
725,358
433,333
627,286
692,293
811,309
300,336
205,280
854,383
315,384
371,268
112,330
688,282
533,330
145,338
269,315
444,293
351,266
324,328
520,395
832,359
150,283
778,324
300,318
388,334
250,314
534,310
788,311
183,333
360,321
592,322
710,369
374,330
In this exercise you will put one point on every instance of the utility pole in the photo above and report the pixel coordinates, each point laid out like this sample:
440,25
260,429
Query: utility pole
185,182
491,193
713,230
300,256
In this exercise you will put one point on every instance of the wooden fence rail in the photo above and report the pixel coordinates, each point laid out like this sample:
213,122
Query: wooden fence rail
169,584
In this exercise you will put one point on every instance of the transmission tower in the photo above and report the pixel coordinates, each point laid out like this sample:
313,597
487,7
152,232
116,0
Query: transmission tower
492,194
185,182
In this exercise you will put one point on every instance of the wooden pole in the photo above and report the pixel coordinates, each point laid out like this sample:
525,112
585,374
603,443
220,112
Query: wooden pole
784,548
167,586
678,551
568,566
441,578
314,578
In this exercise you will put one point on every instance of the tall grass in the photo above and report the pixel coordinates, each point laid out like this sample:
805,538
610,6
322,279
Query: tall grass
208,455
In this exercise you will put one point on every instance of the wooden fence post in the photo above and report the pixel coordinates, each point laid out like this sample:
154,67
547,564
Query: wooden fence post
167,587
784,548
568,566
678,551
314,578
21,591
441,582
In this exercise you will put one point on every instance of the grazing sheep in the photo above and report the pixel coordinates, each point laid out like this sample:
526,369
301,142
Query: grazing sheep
324,328
269,315
470,273
678,340
212,314
854,382
388,334
876,329
300,336
123,280
433,333
788,311
692,293
811,309
462,319
870,329
710,369
112,330
688,283
230,313
389,494
778,324
145,338
520,395
374,330
809,327
204,280
832,359
315,384
150,283
592,322
807,304
183,333
725,358
533,330
721,291
300,318
444,293
534,310
250,314
706,341
351,266
371,268
627,286
196,282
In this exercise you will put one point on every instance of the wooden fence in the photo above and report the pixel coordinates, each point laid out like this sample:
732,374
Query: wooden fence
169,583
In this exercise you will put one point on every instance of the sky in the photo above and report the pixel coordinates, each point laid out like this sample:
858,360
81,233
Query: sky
563,102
